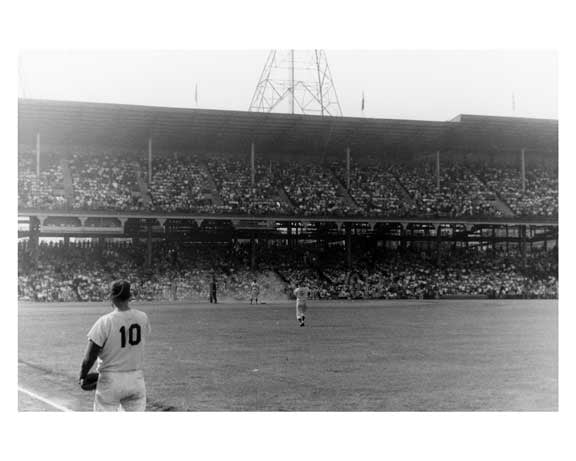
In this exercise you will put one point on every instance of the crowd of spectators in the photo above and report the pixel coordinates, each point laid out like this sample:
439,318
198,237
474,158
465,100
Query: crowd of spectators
83,272
459,193
74,273
458,274
313,190
295,267
375,189
411,275
540,197
233,178
106,182
180,183
47,190
222,184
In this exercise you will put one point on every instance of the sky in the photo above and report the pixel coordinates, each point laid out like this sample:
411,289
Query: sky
417,85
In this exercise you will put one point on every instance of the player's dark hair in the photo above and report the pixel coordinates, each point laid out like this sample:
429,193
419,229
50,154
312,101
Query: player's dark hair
120,290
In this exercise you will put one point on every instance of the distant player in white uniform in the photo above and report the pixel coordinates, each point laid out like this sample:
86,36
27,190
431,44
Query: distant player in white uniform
117,340
302,293
254,292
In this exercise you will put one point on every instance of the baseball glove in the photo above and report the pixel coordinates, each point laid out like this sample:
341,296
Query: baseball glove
89,383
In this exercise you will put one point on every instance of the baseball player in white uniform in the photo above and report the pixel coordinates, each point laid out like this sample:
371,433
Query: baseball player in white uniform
254,292
301,293
117,340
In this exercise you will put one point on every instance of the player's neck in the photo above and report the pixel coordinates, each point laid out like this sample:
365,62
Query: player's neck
122,307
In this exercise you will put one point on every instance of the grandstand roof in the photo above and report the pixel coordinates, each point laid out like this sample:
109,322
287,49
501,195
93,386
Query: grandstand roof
230,131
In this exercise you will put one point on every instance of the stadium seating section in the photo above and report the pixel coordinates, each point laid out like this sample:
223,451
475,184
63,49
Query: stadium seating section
104,182
179,184
540,197
83,272
238,196
222,184
47,190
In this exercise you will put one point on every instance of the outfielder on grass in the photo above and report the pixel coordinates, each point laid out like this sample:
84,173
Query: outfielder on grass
117,341
254,292
302,292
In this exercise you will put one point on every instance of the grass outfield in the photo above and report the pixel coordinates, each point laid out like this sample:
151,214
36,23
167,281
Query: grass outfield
461,355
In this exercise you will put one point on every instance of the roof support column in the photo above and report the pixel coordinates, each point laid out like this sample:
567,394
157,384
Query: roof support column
348,168
438,243
523,169
522,229
494,238
438,169
348,243
34,239
149,161
149,244
252,251
136,237
403,236
252,164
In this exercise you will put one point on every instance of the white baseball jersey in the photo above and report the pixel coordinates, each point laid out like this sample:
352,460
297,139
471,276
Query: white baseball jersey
302,294
254,288
122,336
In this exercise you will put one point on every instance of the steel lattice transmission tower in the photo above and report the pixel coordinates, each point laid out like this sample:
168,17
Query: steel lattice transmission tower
296,82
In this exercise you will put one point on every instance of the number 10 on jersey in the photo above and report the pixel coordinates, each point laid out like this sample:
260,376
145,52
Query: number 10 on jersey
134,335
